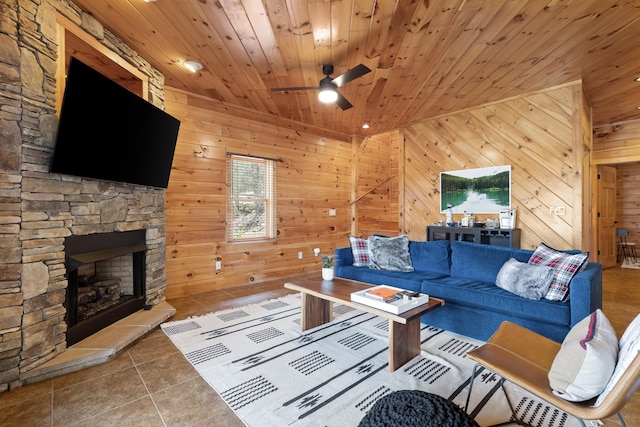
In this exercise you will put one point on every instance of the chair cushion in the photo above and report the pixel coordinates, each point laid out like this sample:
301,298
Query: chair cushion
360,250
525,280
586,360
566,266
629,348
390,253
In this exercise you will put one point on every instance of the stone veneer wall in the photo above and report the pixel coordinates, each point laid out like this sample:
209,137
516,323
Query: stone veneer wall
38,209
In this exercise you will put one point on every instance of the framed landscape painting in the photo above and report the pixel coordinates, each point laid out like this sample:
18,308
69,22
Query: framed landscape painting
481,190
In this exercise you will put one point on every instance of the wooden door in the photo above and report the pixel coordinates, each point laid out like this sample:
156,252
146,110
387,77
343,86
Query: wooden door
607,216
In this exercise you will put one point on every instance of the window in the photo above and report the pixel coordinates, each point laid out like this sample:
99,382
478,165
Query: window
251,205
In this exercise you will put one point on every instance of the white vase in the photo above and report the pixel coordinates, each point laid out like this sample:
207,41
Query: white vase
327,273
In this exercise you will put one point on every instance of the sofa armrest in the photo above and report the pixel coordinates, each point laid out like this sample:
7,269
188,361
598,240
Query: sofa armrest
343,257
585,292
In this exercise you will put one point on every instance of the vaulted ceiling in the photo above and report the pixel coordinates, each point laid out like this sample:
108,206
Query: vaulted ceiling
428,57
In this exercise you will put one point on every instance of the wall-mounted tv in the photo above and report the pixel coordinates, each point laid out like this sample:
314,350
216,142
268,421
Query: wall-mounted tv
107,132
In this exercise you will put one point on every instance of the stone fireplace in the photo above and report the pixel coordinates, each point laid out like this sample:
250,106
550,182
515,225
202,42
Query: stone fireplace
106,275
39,211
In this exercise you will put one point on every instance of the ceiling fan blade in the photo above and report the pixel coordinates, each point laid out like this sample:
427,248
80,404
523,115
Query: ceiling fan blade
342,102
354,73
285,89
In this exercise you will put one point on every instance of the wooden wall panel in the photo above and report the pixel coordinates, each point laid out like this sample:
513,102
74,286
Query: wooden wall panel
618,145
314,175
534,134
392,177
377,185
628,199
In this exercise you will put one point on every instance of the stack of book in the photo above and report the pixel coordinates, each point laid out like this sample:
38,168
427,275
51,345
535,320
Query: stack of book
389,298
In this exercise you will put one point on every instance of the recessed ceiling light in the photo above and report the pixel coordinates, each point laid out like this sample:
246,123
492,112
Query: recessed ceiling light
149,1
366,126
192,66
637,79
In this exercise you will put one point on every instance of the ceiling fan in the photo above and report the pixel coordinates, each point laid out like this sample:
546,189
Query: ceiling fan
328,88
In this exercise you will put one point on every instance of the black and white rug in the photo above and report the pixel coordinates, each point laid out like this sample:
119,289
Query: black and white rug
631,263
272,374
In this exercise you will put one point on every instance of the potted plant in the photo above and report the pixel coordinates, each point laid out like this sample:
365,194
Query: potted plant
327,267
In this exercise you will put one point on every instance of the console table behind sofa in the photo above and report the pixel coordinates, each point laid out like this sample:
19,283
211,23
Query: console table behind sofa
506,237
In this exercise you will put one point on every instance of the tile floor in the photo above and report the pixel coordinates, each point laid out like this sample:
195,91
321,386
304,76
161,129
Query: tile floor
151,384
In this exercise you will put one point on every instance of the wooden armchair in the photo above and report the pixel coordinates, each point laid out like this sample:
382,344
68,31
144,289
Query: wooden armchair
524,358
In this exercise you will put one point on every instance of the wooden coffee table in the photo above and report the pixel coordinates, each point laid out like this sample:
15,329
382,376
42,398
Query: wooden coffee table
319,295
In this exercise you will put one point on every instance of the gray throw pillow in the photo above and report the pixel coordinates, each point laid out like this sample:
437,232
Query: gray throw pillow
526,280
390,253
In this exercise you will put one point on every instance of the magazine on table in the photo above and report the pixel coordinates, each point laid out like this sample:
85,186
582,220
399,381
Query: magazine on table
389,298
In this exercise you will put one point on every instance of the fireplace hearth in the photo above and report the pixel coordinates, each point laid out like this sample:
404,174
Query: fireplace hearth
106,280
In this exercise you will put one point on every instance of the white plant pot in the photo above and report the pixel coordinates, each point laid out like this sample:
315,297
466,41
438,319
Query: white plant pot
327,273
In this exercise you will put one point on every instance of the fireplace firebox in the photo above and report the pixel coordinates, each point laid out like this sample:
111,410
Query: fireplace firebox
106,280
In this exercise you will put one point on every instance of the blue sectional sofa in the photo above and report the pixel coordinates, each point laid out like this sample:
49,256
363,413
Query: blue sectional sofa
464,275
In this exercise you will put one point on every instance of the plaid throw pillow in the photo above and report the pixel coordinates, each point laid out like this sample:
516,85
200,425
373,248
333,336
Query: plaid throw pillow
360,250
565,265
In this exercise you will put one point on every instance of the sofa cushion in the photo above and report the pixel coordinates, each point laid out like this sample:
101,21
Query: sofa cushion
390,253
522,255
430,256
483,296
526,280
411,281
478,261
566,266
360,251
583,366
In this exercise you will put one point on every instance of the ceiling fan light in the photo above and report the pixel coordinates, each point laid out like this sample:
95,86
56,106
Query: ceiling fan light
328,92
327,96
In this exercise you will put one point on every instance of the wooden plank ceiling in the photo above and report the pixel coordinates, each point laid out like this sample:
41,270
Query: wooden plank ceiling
428,57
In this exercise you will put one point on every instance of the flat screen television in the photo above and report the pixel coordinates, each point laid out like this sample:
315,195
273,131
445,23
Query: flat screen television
107,132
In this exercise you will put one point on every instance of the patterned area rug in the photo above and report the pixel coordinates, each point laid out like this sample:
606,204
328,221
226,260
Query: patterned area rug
272,374
630,263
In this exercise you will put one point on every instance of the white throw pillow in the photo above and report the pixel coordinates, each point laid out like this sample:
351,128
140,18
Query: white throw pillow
629,348
583,366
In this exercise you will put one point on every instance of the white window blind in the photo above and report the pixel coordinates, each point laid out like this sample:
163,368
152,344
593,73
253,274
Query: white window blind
251,205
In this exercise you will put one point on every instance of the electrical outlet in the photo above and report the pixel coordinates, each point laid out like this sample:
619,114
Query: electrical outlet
300,255
218,265
561,210
332,212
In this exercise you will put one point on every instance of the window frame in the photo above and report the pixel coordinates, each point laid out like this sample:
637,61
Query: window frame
268,198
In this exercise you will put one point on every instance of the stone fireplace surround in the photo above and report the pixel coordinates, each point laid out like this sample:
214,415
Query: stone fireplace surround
116,262
38,210
44,283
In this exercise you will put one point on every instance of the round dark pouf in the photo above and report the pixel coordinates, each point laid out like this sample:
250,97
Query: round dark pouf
416,408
